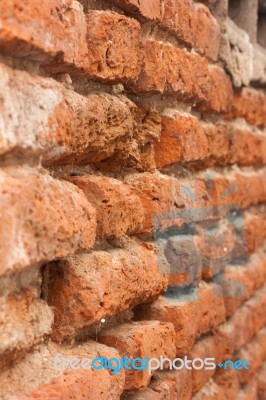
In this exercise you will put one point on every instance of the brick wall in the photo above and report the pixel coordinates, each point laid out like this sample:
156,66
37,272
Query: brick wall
132,196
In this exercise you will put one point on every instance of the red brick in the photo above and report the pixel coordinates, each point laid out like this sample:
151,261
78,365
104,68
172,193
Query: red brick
207,32
182,139
36,378
150,9
167,69
43,32
182,312
211,346
113,46
86,288
210,391
42,219
218,92
21,327
211,307
148,338
119,210
146,394
261,378
249,104
178,17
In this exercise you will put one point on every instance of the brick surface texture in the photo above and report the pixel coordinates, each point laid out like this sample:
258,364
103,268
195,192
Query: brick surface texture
132,199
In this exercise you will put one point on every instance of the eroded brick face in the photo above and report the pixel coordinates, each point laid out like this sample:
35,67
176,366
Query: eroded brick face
132,199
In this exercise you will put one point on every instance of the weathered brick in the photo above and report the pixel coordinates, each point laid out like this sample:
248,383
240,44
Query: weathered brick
255,353
37,376
207,32
21,325
178,384
119,210
42,219
249,104
211,307
261,378
56,30
218,92
147,338
183,312
178,17
210,391
34,118
150,9
227,379
167,69
245,322
86,288
249,391
211,346
113,46
182,139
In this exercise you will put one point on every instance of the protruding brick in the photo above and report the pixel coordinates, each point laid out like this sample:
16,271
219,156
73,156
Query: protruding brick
148,338
25,321
113,46
182,139
86,288
42,32
183,312
249,104
39,376
41,219
119,210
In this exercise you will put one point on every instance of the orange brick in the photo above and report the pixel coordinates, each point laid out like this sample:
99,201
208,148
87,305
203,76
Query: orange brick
183,312
178,17
211,307
42,219
207,32
177,384
255,353
249,104
211,346
119,210
210,391
227,379
218,92
167,69
113,46
150,9
249,391
54,31
21,327
182,139
139,339
37,376
101,284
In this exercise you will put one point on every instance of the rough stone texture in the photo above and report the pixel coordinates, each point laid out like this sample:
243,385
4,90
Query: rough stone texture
42,219
245,14
20,325
147,338
100,284
210,391
147,9
113,46
36,378
259,65
42,33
